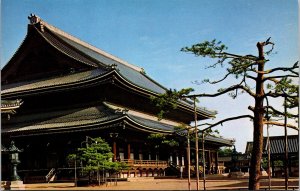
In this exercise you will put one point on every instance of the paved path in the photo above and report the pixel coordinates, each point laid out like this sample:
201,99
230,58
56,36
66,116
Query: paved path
168,184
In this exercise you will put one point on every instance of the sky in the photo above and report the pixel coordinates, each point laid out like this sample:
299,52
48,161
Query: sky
150,34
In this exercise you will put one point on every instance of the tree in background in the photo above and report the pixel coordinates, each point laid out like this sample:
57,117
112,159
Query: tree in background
225,152
250,71
96,157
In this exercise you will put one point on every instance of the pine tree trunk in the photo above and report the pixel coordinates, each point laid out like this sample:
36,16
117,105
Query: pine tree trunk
257,149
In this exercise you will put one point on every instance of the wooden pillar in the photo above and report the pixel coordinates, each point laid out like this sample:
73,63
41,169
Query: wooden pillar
128,150
273,173
216,162
290,166
115,150
209,162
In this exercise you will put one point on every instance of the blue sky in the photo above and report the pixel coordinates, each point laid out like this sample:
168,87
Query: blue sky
150,34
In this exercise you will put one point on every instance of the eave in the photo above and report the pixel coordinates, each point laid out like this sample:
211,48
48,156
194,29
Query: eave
84,79
81,119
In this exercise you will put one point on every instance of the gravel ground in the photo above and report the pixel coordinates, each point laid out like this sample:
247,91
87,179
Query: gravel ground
170,184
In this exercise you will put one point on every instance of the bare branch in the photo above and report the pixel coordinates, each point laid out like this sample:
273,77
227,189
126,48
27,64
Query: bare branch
231,88
217,81
281,124
251,77
225,120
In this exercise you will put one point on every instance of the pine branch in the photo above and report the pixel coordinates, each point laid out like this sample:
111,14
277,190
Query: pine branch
275,95
230,55
224,120
234,87
281,124
272,78
290,69
251,77
217,81
275,111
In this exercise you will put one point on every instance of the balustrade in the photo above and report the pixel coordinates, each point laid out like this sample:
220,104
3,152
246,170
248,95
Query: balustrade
146,163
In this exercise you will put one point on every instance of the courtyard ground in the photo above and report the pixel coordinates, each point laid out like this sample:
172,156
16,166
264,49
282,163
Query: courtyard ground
212,183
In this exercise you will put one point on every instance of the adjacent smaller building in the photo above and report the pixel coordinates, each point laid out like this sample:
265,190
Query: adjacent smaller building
277,152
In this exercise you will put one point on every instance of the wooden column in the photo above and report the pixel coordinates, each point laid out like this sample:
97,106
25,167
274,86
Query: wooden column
209,162
128,151
217,162
115,150
273,167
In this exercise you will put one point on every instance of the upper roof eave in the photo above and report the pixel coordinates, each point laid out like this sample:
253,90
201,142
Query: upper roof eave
145,85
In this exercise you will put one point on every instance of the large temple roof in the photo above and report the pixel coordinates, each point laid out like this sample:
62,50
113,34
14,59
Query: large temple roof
107,115
90,56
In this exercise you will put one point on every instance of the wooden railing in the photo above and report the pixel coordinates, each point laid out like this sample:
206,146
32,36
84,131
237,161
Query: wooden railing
146,163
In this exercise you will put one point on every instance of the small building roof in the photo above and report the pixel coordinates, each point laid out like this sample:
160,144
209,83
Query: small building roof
277,145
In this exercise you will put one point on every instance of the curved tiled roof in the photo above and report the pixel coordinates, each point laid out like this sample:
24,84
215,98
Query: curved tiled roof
53,81
277,145
129,73
79,117
65,49
87,118
210,138
152,124
90,55
55,120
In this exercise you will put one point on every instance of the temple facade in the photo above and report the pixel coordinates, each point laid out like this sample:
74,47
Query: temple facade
71,91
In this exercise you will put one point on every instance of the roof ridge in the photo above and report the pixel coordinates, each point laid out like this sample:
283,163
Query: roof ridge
87,45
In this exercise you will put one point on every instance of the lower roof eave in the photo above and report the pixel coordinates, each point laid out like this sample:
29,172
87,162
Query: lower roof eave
118,122
80,128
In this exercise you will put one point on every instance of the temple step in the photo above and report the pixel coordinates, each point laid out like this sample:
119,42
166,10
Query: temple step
136,179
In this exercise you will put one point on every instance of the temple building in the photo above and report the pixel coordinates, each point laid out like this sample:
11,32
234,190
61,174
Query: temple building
277,154
71,90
